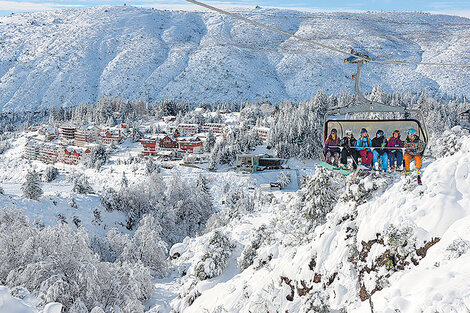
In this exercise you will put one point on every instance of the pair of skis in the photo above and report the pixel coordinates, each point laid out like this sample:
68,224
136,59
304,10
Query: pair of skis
356,171
418,177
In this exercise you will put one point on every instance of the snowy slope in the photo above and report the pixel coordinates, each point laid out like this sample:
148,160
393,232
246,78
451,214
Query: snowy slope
14,305
407,245
67,57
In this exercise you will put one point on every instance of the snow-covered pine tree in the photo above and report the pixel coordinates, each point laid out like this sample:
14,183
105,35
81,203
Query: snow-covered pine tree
124,185
202,184
214,261
150,166
210,142
32,187
50,174
97,157
319,196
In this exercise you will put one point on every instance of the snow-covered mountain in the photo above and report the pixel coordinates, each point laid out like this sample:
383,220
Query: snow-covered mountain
67,57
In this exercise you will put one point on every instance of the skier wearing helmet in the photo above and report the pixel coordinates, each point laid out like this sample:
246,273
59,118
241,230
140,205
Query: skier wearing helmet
379,142
331,148
395,154
363,146
348,145
414,147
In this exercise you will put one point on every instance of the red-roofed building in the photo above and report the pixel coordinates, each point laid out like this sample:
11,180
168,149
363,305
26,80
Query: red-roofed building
152,146
73,155
190,145
110,137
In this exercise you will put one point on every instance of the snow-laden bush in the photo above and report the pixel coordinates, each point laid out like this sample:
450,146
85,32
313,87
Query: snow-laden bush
72,202
401,239
447,143
180,207
215,260
147,246
458,248
32,187
56,265
261,236
283,178
97,157
4,146
81,185
319,196
50,174
317,302
361,188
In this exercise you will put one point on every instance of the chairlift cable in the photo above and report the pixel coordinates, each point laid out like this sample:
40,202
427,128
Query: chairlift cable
362,57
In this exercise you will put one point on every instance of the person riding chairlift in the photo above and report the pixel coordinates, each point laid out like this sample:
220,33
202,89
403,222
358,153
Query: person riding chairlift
413,149
348,145
379,142
331,148
395,154
363,146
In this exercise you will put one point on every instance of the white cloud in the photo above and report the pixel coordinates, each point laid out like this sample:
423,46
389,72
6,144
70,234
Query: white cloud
461,13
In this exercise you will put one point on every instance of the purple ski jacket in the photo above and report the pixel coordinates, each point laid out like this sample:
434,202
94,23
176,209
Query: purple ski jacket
394,142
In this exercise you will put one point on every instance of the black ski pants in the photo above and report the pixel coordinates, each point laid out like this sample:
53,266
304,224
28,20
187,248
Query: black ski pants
345,152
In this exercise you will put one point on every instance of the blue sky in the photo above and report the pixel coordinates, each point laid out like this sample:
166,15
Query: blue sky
455,7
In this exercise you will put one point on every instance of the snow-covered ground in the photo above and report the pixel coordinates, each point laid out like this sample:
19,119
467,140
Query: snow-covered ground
362,248
68,57
385,242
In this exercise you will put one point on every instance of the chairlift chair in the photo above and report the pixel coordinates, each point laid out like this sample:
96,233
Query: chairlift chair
341,119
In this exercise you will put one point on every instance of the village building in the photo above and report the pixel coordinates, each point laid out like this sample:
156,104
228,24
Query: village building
150,146
73,155
110,137
49,153
187,129
464,119
169,118
67,132
156,144
86,135
217,128
252,163
31,150
263,133
190,145
50,133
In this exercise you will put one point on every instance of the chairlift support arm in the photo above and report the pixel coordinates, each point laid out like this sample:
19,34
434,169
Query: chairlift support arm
363,104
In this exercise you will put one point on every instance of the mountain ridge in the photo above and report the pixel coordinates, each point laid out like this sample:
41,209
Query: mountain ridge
68,57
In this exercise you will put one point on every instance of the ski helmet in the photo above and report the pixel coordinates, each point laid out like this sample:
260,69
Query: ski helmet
411,131
396,131
334,131
379,133
348,132
363,131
